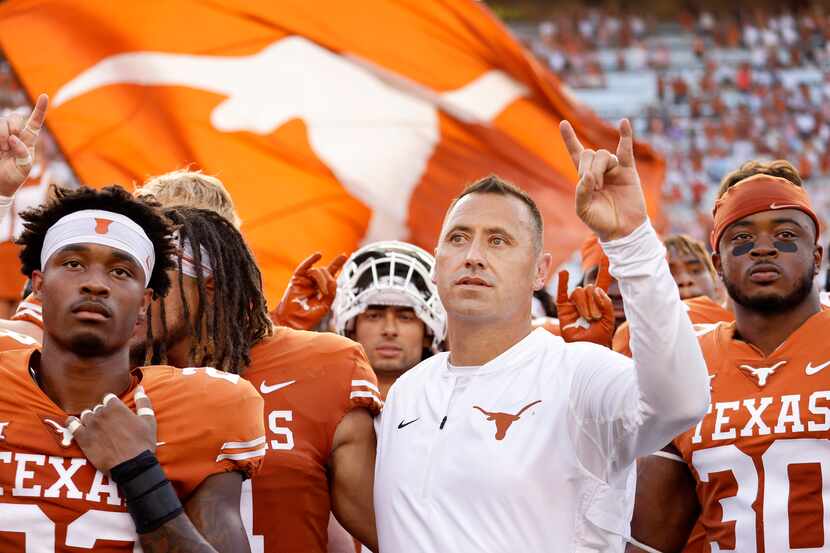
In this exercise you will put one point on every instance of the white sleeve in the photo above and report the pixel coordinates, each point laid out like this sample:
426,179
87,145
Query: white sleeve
5,206
620,413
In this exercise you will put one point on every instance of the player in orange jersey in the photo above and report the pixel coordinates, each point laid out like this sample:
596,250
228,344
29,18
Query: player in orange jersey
320,392
692,269
755,468
25,328
79,469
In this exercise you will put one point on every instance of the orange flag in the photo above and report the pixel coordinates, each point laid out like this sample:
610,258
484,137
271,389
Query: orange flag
332,123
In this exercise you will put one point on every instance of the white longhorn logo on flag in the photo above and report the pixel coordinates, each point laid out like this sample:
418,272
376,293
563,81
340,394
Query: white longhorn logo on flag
375,134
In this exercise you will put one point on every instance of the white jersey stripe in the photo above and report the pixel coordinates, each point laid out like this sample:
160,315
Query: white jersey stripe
669,456
241,456
243,445
29,312
365,383
366,394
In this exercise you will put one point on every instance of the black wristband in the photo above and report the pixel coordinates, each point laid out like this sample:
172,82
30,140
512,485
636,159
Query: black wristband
151,499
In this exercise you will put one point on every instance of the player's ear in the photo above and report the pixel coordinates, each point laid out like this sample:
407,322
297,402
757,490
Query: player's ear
818,254
716,261
146,301
37,283
543,265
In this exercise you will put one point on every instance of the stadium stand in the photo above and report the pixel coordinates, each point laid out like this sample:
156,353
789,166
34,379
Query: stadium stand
708,91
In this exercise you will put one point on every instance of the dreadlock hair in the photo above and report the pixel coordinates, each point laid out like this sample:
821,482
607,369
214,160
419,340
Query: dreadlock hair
686,245
63,202
777,168
225,331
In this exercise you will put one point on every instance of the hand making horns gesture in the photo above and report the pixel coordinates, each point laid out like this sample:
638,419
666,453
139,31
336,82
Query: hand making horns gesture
609,198
18,136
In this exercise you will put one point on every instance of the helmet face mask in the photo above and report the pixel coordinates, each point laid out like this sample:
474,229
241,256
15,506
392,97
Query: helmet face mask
389,273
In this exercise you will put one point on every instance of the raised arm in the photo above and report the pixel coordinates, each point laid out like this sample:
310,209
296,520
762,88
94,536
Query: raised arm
18,136
633,413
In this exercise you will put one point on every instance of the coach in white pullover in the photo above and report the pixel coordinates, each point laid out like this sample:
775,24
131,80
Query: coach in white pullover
515,441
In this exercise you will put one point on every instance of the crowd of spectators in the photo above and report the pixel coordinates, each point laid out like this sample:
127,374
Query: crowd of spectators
569,44
755,85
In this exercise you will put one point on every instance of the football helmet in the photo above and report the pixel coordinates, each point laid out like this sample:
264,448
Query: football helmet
389,273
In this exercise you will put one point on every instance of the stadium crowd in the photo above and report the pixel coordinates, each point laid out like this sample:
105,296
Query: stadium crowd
756,86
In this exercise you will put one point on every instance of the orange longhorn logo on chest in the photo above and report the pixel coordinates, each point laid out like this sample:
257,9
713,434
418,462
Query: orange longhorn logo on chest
504,420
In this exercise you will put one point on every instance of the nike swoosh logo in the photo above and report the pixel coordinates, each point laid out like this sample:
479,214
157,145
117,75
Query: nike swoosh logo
774,205
266,389
811,370
159,444
402,424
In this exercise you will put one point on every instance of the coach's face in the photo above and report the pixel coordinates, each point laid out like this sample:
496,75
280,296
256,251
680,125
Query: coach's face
768,260
487,264
93,296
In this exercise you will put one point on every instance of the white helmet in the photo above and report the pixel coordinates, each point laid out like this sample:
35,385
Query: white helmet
389,273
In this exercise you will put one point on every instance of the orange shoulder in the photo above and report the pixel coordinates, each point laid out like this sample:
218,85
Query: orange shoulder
30,310
326,357
210,418
704,309
19,334
311,350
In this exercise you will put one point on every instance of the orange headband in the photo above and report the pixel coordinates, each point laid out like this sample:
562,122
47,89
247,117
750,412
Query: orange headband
756,194
592,254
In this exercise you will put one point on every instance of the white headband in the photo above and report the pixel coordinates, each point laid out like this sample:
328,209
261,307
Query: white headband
93,226
189,259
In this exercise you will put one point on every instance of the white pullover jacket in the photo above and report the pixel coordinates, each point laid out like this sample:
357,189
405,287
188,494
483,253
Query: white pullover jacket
536,453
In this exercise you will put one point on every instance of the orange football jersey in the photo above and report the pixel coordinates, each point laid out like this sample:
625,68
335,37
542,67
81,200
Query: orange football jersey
13,335
309,381
30,310
761,456
701,310
53,500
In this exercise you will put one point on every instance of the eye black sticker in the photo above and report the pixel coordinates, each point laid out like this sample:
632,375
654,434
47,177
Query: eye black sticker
743,249
785,247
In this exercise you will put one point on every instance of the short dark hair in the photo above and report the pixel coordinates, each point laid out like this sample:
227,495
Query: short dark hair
493,184
778,168
63,202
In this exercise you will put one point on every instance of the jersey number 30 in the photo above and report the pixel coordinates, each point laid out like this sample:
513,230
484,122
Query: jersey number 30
776,463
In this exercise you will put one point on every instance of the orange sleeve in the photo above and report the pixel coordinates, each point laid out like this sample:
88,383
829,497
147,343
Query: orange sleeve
622,339
30,310
364,391
241,440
